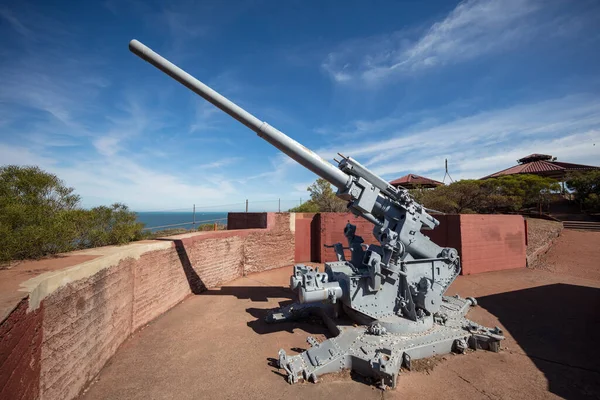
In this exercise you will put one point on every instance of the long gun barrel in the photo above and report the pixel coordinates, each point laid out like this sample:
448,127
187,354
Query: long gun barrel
289,146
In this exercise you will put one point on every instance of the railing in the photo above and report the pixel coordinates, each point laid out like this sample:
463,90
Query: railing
215,220
191,213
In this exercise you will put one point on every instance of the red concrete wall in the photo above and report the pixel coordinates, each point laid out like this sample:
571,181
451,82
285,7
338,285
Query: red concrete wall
243,220
84,324
159,283
53,351
447,234
270,248
305,224
20,353
331,231
484,242
492,243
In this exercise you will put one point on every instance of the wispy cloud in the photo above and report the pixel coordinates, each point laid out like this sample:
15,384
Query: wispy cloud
130,122
122,179
280,167
219,163
15,23
53,97
207,117
119,178
487,140
47,74
474,28
76,104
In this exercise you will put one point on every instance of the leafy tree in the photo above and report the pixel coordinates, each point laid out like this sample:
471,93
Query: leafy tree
109,225
525,190
40,215
33,211
504,194
322,199
306,207
459,197
509,193
586,187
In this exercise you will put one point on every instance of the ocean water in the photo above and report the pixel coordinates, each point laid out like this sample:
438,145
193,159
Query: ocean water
159,219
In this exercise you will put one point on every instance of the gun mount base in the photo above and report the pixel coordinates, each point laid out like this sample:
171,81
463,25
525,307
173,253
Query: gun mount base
373,351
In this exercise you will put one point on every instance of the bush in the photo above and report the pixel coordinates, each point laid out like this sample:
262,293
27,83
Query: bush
40,216
102,226
586,186
504,194
211,227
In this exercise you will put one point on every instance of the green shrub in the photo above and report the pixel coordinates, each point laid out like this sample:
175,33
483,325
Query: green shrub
211,227
586,187
40,216
504,194
110,225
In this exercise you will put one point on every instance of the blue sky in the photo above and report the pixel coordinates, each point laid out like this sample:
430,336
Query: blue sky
398,85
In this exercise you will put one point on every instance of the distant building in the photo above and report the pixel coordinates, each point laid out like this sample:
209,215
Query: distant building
542,165
412,181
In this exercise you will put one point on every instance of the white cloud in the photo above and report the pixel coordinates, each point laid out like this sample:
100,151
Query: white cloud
218,164
133,122
474,28
107,145
105,180
579,148
207,117
483,143
19,155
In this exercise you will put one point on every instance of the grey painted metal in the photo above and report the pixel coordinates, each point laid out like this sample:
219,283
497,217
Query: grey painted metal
394,290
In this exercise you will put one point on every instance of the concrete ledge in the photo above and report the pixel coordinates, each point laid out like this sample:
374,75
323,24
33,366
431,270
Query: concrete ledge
73,319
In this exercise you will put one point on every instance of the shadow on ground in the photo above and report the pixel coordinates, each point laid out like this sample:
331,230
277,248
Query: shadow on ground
557,326
254,293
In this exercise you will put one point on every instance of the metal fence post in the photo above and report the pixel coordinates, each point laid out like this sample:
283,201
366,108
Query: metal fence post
194,216
246,205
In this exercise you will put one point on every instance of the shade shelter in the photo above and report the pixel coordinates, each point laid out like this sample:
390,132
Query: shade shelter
542,165
412,181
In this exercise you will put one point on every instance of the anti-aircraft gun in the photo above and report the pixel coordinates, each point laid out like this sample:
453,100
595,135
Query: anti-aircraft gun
392,292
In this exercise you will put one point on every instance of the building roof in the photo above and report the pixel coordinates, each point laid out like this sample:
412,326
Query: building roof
411,181
535,157
542,164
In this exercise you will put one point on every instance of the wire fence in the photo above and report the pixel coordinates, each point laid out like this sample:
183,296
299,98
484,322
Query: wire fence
200,217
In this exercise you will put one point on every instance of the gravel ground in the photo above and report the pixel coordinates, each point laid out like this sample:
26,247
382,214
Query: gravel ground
540,232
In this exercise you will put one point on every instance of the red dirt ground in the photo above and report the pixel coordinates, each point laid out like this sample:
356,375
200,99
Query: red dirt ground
215,345
575,253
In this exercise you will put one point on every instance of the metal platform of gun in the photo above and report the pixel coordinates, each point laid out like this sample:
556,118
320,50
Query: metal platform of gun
394,291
